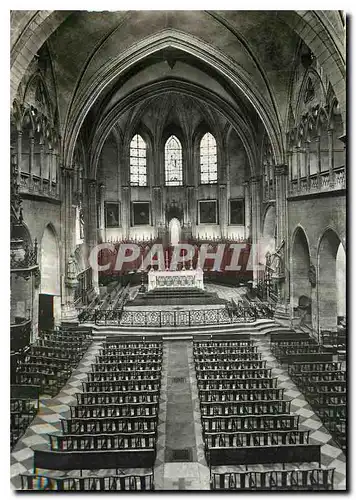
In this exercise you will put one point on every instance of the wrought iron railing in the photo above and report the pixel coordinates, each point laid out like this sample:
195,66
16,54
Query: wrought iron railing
121,317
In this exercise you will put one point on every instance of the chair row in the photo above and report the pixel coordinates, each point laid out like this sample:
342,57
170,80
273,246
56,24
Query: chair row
135,482
275,480
251,423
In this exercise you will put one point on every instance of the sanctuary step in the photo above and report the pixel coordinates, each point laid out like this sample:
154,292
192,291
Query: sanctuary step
176,296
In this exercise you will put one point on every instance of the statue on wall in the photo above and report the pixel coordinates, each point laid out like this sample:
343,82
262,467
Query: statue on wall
71,271
312,275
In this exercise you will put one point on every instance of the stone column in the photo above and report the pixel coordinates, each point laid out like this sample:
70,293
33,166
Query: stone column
247,196
125,211
19,156
92,225
282,276
331,157
102,229
157,207
69,313
223,210
192,208
32,158
256,226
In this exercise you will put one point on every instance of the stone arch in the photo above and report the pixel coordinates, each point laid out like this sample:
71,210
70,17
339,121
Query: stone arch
331,280
174,231
50,270
268,243
186,43
299,267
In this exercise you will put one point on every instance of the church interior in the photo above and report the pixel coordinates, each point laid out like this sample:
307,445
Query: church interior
178,250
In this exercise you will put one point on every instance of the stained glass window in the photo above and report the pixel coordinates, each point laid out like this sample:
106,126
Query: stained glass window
208,160
173,162
138,166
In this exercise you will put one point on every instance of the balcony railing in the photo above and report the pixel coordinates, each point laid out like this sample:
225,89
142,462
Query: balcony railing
33,184
321,182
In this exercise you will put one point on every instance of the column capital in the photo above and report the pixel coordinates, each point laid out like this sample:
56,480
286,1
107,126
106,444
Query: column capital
281,169
255,179
69,171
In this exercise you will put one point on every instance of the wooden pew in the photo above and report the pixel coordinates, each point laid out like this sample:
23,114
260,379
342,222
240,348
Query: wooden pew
305,357
224,343
274,480
280,406
238,383
233,374
88,442
206,395
301,366
124,375
230,351
251,455
317,376
114,410
127,366
122,358
230,423
277,337
221,336
93,459
254,438
132,482
230,365
252,356
114,339
108,425
122,385
105,398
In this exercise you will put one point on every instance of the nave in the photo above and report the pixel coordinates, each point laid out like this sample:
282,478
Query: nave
180,453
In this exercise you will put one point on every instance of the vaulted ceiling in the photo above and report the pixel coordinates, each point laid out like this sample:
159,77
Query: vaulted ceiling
238,63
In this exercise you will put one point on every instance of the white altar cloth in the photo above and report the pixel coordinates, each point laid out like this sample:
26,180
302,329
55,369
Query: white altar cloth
189,278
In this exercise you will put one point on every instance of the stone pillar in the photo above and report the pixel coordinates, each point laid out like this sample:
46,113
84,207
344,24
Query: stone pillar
102,229
92,225
282,275
69,313
223,210
331,157
157,207
256,226
19,155
42,157
32,158
125,211
192,208
247,196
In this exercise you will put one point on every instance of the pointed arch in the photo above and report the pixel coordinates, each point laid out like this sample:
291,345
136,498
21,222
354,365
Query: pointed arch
299,267
208,159
138,161
331,279
173,162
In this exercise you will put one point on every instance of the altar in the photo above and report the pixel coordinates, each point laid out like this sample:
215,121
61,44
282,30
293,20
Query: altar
186,278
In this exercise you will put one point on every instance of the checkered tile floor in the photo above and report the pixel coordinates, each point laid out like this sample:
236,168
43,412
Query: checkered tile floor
47,420
331,455
173,476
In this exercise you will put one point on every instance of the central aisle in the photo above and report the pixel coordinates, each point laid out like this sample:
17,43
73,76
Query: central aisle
184,466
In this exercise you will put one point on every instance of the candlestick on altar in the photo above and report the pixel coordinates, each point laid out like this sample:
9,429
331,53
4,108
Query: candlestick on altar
166,260
183,263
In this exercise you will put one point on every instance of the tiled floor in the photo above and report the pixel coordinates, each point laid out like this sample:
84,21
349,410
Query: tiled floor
331,454
47,420
174,475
